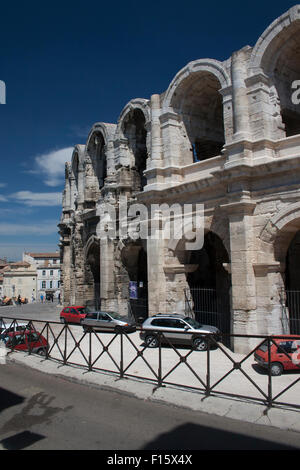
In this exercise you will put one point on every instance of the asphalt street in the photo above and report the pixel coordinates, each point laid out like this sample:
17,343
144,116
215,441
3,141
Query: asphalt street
41,412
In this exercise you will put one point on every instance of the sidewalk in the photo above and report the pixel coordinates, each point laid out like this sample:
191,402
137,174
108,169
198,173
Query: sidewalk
239,409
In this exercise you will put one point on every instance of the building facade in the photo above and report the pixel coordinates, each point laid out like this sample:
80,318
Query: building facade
225,135
19,279
48,269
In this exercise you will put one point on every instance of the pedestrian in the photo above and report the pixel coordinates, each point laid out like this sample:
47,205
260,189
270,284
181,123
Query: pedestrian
19,300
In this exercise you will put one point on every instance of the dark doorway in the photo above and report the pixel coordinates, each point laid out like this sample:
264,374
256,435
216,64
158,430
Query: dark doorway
292,284
210,284
93,275
134,257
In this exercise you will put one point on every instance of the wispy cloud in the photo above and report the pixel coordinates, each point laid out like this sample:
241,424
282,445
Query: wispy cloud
31,199
51,165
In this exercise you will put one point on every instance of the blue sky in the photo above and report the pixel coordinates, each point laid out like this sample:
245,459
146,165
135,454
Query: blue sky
67,65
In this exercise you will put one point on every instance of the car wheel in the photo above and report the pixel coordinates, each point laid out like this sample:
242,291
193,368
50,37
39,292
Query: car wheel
41,352
200,344
62,320
151,341
276,368
118,329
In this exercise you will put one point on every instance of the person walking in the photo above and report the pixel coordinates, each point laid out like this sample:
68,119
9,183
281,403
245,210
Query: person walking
19,300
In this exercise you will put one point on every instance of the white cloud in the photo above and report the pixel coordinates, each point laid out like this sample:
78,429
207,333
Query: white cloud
38,199
2,198
51,165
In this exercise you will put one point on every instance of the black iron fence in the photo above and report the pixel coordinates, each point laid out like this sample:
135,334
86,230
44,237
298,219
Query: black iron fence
209,307
216,371
290,303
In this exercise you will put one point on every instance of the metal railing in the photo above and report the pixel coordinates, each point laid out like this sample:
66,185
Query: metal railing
208,373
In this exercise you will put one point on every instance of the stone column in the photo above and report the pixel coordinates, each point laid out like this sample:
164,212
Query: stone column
156,150
107,277
172,140
269,292
240,98
66,273
242,272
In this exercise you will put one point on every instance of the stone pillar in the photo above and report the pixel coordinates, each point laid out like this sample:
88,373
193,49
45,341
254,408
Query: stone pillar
66,273
242,273
264,108
269,292
171,136
107,277
156,150
156,276
80,183
240,98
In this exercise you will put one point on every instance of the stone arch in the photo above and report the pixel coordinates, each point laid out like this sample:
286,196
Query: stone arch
279,231
212,66
195,96
133,132
276,55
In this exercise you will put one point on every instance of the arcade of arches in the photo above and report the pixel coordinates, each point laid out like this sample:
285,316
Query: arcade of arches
225,135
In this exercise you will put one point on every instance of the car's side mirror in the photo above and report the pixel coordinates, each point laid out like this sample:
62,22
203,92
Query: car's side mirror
187,327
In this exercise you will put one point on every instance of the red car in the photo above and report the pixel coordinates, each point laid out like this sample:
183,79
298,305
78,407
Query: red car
25,340
285,354
74,314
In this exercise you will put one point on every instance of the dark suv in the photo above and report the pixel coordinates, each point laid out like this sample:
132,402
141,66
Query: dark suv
177,329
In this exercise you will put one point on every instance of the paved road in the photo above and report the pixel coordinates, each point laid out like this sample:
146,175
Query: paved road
40,412
48,311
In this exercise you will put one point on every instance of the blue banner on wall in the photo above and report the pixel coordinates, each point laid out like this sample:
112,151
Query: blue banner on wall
133,290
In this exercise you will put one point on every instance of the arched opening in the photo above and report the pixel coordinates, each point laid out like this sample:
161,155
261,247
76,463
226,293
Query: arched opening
292,283
93,275
134,259
135,132
281,62
209,283
198,101
96,150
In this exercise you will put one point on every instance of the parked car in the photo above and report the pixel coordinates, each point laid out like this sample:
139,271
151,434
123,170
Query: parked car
177,329
284,354
6,328
25,340
73,314
107,321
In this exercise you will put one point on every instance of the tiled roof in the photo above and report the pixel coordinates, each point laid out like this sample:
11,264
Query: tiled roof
44,255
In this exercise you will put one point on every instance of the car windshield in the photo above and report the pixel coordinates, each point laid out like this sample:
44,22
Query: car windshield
82,310
193,322
115,315
264,347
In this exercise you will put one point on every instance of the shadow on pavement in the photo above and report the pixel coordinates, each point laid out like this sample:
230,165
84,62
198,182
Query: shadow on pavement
194,437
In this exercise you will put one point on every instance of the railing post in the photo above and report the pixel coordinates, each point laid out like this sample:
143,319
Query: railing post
65,350
207,392
159,361
269,375
90,350
121,356
47,338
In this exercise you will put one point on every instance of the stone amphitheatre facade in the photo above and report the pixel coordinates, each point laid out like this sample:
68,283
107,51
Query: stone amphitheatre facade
225,135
